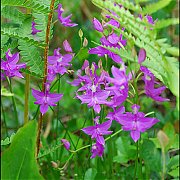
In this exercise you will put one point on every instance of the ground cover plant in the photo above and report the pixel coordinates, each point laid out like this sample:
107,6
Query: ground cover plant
89,89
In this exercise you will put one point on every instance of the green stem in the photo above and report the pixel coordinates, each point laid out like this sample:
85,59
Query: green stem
26,101
164,163
13,101
4,117
136,163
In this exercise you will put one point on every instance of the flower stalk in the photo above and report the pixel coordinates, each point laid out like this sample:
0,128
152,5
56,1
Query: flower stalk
46,50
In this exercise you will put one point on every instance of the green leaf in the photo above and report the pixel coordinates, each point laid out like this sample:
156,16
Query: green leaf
174,162
27,4
150,155
18,161
126,151
90,174
166,22
152,8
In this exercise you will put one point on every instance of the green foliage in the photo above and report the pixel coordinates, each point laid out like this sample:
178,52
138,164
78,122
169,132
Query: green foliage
90,174
13,14
27,4
125,150
153,7
150,155
31,55
23,164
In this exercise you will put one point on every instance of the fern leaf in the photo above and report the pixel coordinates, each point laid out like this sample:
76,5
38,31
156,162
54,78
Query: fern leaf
13,14
10,45
166,22
12,32
31,55
152,8
27,4
130,5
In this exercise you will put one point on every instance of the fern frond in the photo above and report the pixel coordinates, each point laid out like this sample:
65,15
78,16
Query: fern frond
13,14
12,32
11,45
166,22
129,5
27,4
154,7
31,55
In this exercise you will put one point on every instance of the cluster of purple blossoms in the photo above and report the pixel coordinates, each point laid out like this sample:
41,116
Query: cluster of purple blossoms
57,64
10,66
111,40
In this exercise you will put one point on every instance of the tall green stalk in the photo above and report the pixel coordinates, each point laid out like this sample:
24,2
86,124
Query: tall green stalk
26,100
13,101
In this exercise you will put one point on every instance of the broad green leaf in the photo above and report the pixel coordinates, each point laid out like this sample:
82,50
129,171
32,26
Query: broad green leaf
18,161
150,155
90,174
126,151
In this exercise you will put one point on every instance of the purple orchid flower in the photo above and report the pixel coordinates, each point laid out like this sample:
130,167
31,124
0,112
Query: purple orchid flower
58,63
64,21
45,99
97,150
34,30
150,82
136,122
97,131
10,66
94,99
117,112
97,25
66,143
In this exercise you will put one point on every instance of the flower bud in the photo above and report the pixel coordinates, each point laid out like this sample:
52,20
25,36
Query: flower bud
66,143
85,42
80,33
97,25
67,46
141,55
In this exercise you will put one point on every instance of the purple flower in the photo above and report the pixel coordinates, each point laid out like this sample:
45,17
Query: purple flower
67,46
150,82
117,112
45,99
136,122
94,99
58,64
98,130
10,66
66,143
141,55
34,30
64,21
97,150
97,25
